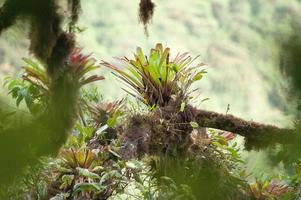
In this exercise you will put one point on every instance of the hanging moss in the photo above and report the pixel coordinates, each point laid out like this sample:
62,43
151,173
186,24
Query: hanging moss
8,16
46,30
75,9
65,43
146,11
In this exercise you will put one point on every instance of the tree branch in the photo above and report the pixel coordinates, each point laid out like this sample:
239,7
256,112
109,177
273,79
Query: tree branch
257,135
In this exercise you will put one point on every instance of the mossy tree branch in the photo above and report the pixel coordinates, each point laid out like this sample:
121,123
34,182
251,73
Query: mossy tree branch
32,137
257,135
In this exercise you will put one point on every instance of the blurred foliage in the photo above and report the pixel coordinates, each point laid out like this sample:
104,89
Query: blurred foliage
203,170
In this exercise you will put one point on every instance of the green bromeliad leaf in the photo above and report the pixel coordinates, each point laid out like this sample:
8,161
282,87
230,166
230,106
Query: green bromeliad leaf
154,78
33,86
87,174
88,187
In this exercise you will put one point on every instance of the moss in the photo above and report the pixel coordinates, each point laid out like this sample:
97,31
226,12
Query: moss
46,32
180,152
65,43
45,134
257,135
146,11
75,8
164,130
8,17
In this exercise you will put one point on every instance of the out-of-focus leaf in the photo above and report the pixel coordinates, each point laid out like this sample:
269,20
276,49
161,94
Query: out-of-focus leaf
194,124
183,104
86,173
134,164
87,187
